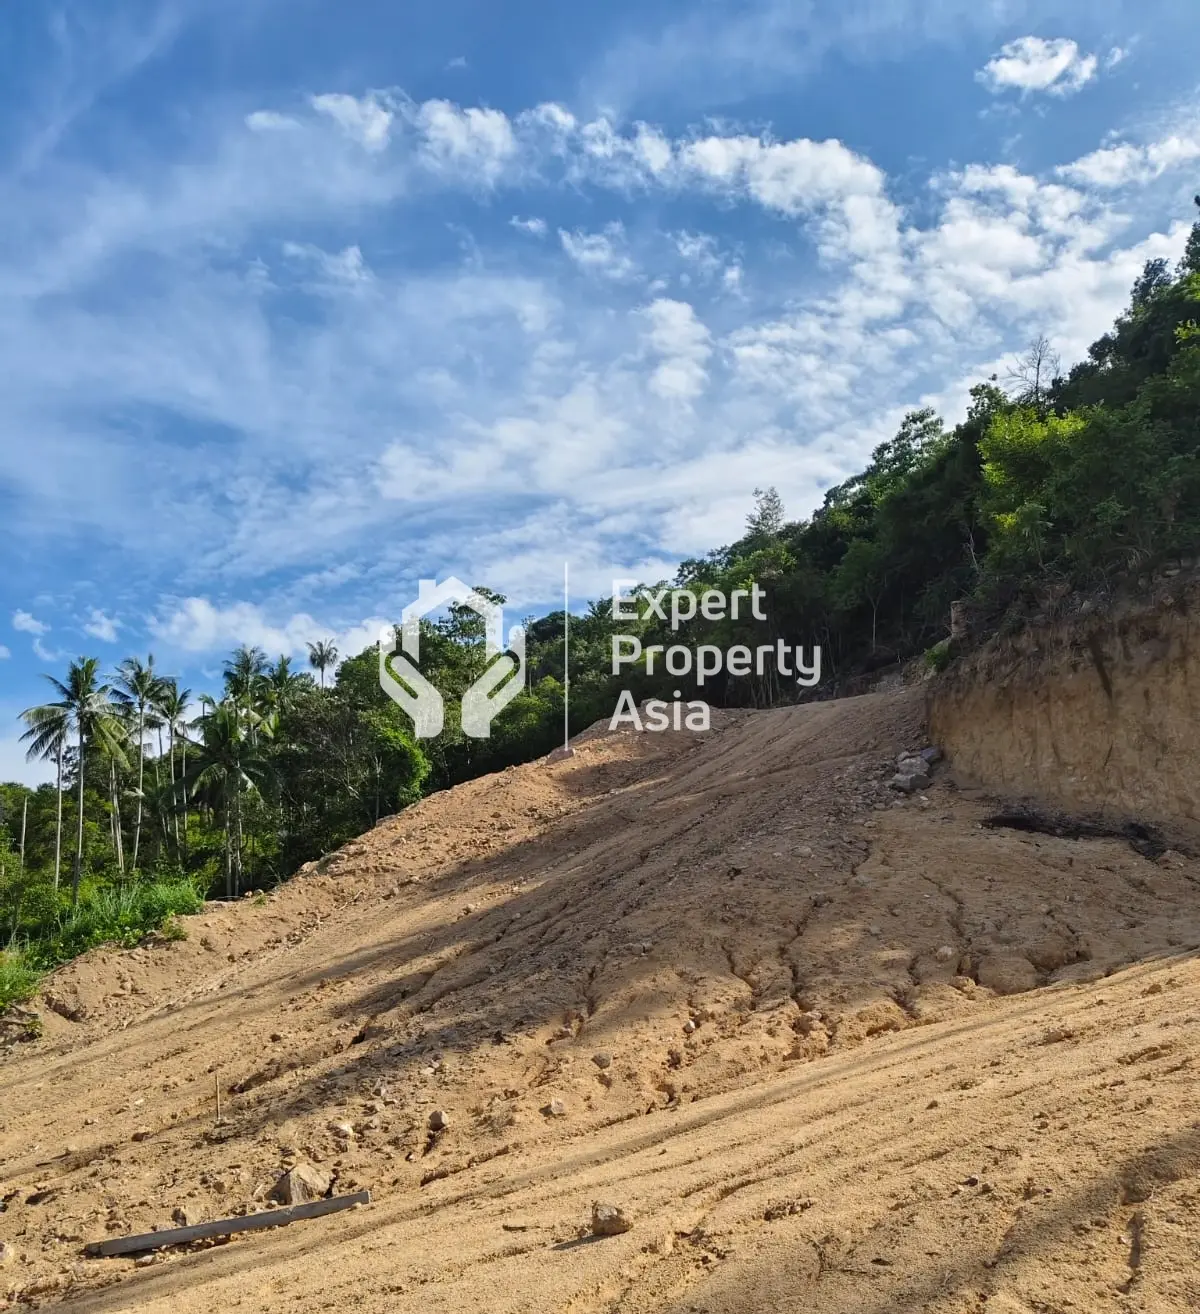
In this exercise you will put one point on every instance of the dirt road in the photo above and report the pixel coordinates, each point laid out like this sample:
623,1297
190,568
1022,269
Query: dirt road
828,1050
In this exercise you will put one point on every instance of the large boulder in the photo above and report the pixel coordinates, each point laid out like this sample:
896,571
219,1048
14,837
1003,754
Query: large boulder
300,1184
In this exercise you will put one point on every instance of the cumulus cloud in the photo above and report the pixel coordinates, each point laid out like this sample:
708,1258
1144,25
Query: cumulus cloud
4,653
1029,64
27,624
270,121
602,254
683,343
367,119
345,267
101,626
198,625
474,413
535,227
473,143
1124,163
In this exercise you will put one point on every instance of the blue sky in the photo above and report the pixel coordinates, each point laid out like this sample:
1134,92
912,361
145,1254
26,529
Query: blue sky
302,302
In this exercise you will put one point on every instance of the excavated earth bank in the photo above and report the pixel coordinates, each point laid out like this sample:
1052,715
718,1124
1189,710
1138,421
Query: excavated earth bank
827,1049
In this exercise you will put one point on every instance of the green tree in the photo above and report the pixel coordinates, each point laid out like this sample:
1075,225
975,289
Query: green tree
138,689
47,730
84,710
321,656
228,761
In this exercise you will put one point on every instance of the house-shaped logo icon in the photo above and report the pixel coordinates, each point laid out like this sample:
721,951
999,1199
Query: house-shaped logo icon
403,682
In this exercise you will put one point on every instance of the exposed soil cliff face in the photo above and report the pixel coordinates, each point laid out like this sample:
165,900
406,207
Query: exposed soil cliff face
1099,714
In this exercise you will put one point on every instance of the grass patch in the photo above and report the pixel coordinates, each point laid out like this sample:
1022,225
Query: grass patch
47,930
120,914
18,980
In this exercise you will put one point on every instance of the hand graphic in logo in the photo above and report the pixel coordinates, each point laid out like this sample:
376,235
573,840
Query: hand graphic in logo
482,702
420,699
411,691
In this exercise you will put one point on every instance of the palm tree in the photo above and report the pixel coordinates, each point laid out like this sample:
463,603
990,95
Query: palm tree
46,735
137,690
113,748
321,656
228,761
245,675
172,706
86,712
281,684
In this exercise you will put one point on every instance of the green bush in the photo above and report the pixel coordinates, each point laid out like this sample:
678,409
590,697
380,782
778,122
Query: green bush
120,914
938,657
18,980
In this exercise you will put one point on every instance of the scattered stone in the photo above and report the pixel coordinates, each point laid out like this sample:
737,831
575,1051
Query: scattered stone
276,1037
602,1059
144,1261
1007,974
946,953
439,1120
142,1134
804,851
300,1184
609,1220
342,1130
909,784
689,1026
555,1109
932,755
6,1253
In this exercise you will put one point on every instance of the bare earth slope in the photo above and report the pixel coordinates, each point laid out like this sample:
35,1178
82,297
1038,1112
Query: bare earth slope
854,1055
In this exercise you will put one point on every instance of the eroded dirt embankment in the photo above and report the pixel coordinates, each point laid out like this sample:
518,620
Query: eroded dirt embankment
831,1049
1099,714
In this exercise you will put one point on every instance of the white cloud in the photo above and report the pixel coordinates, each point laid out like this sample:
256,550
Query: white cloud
4,653
473,144
535,227
1031,63
45,654
684,345
367,119
198,625
27,624
270,121
344,267
101,627
503,403
1124,163
600,253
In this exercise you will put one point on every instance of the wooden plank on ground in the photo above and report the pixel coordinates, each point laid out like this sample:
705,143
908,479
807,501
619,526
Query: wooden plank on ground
177,1236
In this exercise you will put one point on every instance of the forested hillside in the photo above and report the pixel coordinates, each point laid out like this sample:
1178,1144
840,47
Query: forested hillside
1052,484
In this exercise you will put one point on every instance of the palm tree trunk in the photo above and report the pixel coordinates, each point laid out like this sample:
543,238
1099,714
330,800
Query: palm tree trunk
174,802
137,825
183,768
77,874
228,848
240,841
118,843
58,757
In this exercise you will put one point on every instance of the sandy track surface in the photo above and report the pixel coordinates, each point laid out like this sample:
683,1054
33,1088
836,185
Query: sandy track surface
829,1051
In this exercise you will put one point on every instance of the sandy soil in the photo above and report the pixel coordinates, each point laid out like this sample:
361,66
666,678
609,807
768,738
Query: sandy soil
855,1054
